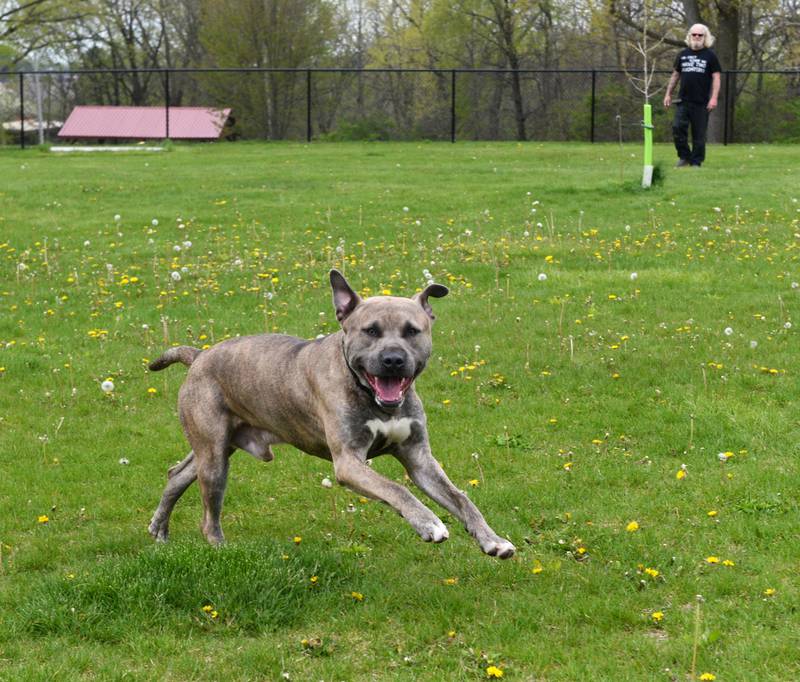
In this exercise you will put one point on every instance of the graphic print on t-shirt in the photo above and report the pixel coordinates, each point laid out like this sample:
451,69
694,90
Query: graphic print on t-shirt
692,64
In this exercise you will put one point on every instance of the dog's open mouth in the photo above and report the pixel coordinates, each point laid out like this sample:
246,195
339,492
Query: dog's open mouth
389,391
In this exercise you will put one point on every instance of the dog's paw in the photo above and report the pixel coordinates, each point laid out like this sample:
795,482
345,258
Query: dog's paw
160,531
431,530
498,547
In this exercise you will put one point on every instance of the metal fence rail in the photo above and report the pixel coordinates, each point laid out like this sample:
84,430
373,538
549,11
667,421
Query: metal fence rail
403,104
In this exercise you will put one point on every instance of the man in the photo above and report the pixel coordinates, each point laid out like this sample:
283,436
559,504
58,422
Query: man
698,69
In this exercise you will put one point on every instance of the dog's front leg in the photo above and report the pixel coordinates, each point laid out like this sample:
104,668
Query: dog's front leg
352,472
426,473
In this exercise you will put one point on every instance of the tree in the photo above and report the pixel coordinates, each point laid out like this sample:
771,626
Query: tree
268,33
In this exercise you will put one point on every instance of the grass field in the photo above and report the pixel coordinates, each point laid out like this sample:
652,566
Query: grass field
614,381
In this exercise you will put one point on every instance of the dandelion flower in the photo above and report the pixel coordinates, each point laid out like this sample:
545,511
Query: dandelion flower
43,519
474,482
632,527
712,560
770,592
297,539
357,596
657,616
450,581
712,513
708,677
494,671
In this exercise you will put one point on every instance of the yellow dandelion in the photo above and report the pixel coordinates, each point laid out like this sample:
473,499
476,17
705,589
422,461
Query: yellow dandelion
43,519
474,482
657,616
708,677
712,513
681,474
652,572
450,581
712,560
357,596
152,391
297,539
728,563
632,527
494,671
770,592
314,579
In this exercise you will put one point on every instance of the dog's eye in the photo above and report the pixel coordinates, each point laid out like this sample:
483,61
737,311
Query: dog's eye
372,330
411,331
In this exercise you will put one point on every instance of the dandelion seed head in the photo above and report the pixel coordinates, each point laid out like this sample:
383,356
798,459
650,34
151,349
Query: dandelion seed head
176,276
154,222
542,277
107,386
728,331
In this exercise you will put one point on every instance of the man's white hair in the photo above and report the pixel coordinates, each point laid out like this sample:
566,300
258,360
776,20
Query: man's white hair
708,39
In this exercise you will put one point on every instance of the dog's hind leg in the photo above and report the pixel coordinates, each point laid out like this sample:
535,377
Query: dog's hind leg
181,476
212,476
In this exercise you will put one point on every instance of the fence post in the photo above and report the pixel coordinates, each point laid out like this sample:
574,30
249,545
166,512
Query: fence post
308,105
166,98
22,111
453,106
594,86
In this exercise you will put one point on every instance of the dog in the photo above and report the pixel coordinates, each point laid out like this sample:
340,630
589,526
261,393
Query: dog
346,398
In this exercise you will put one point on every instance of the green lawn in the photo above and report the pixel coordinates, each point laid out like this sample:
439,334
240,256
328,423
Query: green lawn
614,381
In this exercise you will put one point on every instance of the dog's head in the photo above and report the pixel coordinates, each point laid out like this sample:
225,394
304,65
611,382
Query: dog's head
387,339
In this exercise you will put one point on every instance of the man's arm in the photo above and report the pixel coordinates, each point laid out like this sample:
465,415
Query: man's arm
672,81
716,79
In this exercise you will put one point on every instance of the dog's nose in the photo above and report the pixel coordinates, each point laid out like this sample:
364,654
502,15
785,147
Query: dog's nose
393,360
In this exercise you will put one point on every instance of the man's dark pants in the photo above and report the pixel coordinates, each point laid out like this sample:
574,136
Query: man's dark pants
696,115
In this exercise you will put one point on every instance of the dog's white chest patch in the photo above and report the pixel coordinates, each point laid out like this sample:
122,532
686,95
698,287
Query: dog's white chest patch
393,430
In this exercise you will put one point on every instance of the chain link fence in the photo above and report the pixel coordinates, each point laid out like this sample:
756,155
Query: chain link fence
398,104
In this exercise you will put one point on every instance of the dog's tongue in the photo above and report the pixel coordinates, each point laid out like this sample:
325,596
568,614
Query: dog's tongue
389,389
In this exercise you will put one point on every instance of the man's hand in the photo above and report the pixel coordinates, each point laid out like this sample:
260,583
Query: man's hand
712,104
667,100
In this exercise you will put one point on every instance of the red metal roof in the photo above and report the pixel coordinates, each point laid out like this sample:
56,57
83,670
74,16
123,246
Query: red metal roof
138,123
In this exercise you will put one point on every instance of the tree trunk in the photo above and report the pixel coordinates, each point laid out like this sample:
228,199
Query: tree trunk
727,48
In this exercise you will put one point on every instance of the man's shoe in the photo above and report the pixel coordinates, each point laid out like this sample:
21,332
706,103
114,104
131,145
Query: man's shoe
681,163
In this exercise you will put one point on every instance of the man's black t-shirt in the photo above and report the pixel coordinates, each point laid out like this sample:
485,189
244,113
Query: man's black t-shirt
696,68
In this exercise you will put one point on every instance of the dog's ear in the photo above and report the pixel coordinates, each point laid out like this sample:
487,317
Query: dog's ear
435,290
344,298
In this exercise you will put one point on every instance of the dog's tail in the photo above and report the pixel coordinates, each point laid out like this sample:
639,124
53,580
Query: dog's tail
184,354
